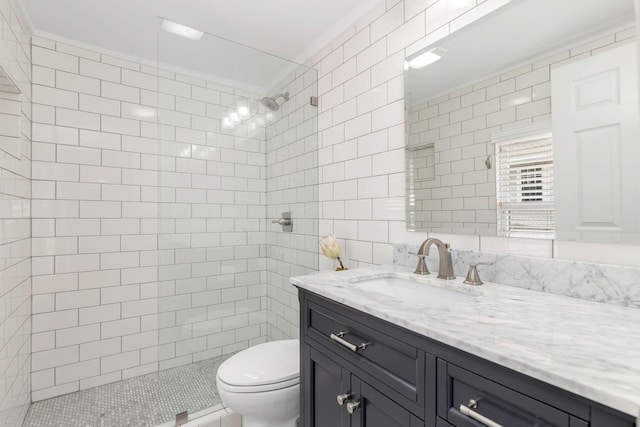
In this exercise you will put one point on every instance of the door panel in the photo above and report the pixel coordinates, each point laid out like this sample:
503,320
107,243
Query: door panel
324,381
378,410
596,144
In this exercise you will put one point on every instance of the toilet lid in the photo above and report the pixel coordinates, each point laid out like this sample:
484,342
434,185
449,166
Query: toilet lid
267,363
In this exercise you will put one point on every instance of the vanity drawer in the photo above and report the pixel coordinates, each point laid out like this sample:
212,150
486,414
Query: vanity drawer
461,390
389,359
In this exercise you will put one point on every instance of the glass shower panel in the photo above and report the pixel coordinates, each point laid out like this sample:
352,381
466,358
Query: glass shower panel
212,197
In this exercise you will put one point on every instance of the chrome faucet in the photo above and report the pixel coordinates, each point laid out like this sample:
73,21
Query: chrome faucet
445,270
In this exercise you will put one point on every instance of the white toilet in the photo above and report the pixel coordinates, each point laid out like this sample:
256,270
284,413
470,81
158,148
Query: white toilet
262,383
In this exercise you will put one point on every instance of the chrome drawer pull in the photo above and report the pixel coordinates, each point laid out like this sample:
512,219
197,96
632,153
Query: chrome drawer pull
338,338
466,410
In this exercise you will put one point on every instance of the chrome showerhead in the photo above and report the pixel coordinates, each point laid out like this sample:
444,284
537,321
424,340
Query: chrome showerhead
270,102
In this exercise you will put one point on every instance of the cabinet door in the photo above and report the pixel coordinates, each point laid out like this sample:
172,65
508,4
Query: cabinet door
322,381
378,410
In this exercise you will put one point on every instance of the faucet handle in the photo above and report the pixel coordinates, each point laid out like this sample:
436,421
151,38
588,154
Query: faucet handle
474,264
473,278
421,268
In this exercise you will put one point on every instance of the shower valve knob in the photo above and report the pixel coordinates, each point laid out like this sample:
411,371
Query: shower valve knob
285,222
282,221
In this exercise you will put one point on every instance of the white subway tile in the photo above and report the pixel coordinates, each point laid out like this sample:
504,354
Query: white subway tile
139,80
90,209
98,244
99,174
55,134
56,60
119,125
79,155
76,263
119,260
52,358
77,371
99,105
371,56
78,335
526,247
99,70
118,328
119,362
385,24
120,192
53,321
103,140
54,246
358,209
77,227
76,83
55,97
412,30
43,76
55,208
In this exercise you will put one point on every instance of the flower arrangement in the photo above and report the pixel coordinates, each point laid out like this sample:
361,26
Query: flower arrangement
331,249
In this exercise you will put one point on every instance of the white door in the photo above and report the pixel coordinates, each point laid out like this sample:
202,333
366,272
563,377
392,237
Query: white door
596,151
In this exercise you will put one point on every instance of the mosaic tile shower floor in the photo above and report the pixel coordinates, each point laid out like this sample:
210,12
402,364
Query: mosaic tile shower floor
144,401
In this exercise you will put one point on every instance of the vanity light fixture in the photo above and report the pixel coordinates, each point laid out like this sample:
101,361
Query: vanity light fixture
181,30
427,58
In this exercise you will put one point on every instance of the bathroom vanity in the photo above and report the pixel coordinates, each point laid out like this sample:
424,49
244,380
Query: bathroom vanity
377,350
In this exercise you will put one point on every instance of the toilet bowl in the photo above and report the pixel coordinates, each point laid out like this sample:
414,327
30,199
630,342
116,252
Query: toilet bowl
262,383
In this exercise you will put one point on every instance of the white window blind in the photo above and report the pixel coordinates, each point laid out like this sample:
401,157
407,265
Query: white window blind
524,181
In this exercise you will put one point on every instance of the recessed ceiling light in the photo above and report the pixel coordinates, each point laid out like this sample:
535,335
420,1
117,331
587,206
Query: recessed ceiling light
181,30
427,58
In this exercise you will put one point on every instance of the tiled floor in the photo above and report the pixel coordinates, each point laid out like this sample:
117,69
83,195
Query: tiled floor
148,400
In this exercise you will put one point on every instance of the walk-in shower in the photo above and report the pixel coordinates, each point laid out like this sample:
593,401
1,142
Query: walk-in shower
225,155
216,158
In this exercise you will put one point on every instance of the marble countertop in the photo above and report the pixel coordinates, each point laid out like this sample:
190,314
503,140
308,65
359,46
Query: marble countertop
588,348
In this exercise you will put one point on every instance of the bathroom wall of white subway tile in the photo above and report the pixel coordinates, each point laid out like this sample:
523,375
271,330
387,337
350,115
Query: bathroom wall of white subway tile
292,186
361,126
212,225
15,217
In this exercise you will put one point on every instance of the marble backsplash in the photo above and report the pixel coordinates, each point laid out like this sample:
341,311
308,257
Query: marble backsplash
609,284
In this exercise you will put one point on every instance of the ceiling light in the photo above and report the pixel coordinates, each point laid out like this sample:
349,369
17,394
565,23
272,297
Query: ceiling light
427,58
226,123
181,30
244,112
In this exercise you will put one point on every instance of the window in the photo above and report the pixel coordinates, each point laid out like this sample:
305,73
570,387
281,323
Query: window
524,183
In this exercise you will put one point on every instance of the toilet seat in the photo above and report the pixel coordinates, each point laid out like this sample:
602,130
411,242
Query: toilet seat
265,367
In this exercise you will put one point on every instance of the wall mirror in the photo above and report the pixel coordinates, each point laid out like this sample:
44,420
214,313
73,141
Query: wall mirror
525,124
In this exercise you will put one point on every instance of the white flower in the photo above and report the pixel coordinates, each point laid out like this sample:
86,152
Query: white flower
330,246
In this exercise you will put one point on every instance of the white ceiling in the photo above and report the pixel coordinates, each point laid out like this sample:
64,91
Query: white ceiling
291,29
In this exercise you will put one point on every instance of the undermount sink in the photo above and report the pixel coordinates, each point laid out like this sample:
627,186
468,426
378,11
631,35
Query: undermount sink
413,292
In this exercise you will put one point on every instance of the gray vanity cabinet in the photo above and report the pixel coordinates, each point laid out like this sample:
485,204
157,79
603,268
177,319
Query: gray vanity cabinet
360,371
334,396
